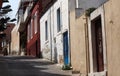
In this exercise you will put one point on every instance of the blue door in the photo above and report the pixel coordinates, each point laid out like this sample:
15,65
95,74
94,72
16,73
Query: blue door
65,48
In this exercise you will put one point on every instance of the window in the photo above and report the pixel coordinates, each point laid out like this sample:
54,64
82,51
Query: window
35,23
58,20
46,30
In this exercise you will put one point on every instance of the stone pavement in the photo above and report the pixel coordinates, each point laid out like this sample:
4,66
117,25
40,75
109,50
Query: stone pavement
29,66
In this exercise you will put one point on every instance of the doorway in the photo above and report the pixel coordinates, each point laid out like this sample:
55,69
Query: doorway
97,45
65,48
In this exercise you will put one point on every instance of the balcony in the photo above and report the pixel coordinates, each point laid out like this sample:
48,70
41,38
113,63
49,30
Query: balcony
27,13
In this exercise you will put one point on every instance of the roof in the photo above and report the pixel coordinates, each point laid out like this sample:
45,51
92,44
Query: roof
23,1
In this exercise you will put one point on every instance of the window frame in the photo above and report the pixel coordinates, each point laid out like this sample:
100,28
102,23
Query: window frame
58,20
46,30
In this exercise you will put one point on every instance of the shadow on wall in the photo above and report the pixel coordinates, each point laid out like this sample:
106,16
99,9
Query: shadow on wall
5,51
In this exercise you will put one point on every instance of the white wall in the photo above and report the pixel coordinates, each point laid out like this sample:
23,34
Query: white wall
51,17
15,40
45,45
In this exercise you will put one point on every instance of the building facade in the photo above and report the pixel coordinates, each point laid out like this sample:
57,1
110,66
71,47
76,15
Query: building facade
92,47
22,14
33,34
7,38
54,32
85,58
33,27
112,36
88,53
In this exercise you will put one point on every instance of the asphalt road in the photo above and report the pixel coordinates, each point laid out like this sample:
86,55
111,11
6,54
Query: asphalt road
29,66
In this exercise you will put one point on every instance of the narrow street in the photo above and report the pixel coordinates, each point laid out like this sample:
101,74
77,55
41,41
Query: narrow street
29,66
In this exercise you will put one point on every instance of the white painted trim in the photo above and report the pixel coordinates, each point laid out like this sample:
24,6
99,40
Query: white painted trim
90,46
97,74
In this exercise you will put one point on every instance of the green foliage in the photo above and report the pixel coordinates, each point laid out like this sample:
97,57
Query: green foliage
5,1
6,7
89,11
66,67
4,17
3,22
12,20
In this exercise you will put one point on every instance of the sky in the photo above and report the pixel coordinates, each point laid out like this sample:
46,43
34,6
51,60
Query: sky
14,6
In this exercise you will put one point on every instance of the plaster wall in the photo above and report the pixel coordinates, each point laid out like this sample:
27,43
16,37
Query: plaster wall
78,33
15,43
54,44
112,23
78,44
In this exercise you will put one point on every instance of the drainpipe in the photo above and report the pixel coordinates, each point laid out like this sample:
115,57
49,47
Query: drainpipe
53,32
87,45
50,36
69,36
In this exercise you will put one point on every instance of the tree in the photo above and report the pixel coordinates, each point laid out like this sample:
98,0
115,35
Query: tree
4,18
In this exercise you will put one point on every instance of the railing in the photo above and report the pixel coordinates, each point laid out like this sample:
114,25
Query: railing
27,12
20,23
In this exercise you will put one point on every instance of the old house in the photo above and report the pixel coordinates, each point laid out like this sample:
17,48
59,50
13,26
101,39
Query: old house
33,34
82,59
85,57
92,47
20,29
24,17
54,29
7,38
33,27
